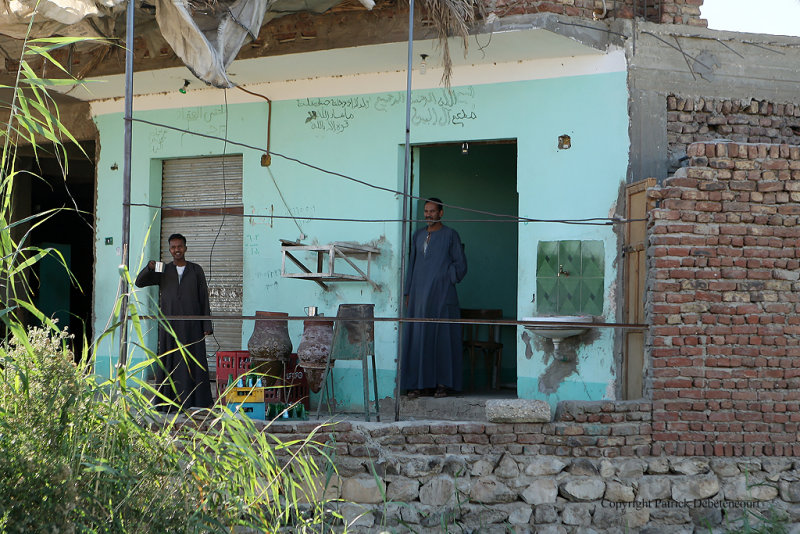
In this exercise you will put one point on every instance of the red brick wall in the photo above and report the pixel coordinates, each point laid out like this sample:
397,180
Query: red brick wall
723,303
666,11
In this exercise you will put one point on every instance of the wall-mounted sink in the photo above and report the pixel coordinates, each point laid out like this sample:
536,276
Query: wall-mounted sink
559,327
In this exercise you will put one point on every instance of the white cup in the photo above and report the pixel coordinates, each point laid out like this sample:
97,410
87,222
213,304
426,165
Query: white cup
159,266
311,311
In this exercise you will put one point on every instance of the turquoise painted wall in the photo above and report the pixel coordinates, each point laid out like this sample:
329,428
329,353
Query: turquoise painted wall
362,136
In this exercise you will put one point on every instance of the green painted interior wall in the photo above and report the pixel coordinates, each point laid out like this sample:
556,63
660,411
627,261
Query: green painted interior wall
54,283
484,179
362,136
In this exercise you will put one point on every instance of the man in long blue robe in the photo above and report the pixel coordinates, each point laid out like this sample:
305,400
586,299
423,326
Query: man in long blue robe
432,352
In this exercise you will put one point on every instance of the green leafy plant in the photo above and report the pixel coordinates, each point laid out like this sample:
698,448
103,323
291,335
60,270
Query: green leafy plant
84,453
771,521
88,454
754,520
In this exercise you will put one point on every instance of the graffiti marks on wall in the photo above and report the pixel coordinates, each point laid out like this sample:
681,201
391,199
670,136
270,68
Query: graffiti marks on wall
206,119
438,107
332,114
443,108
157,139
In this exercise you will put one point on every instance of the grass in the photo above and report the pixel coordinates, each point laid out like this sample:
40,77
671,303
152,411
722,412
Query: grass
86,454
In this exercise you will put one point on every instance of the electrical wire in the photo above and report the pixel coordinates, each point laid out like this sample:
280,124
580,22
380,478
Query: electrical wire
288,209
482,48
596,221
224,205
269,113
512,218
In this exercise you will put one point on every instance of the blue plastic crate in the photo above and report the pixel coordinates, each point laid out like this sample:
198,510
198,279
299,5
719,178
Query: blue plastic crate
253,410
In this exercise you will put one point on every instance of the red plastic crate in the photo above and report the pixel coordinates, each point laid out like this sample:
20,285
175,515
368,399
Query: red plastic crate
294,387
237,362
230,363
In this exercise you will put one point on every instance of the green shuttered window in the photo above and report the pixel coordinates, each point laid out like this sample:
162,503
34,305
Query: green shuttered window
570,277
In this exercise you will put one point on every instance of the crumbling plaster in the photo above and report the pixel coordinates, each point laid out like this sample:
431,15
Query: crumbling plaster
716,64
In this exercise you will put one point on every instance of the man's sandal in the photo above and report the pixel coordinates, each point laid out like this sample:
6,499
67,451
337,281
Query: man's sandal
441,391
413,394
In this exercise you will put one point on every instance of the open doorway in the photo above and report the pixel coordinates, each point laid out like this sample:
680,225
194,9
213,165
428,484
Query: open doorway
70,231
480,176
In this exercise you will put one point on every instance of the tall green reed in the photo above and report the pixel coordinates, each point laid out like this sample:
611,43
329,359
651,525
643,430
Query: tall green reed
85,453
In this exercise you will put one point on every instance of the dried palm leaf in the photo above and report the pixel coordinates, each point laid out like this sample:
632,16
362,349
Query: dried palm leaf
452,18
203,6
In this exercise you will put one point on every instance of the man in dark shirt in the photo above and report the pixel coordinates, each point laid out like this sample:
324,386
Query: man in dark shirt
182,376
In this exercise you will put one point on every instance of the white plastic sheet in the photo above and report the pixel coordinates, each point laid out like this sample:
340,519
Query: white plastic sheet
208,53
207,49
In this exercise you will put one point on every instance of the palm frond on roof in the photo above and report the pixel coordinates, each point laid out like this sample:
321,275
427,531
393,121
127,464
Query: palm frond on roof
452,18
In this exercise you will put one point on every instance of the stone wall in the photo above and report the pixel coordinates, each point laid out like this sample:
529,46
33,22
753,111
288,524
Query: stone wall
691,120
433,480
581,429
723,303
666,11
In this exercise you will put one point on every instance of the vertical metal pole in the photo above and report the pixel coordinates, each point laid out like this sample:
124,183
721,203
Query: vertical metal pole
126,183
404,237
365,368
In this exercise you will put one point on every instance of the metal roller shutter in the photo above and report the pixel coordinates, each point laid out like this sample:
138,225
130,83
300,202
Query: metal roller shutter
213,240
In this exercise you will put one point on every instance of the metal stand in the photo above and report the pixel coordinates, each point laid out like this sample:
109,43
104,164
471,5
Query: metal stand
365,374
325,394
354,340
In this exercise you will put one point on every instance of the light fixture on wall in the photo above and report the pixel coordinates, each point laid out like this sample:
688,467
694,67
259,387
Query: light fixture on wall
564,142
464,148
423,67
182,90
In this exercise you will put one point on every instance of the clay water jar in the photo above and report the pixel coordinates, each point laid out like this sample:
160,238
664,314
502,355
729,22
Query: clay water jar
270,346
312,354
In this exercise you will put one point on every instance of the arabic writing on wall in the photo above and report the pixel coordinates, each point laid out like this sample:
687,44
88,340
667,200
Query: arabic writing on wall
438,107
208,120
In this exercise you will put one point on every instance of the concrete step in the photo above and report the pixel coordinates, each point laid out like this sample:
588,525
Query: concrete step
469,407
